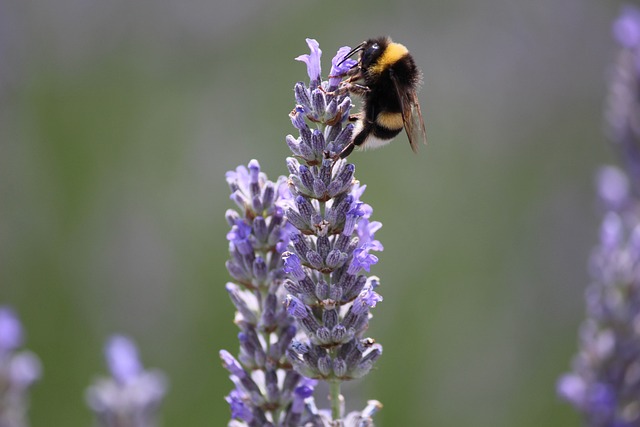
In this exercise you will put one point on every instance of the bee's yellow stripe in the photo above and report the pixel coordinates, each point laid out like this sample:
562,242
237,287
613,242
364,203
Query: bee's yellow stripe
391,121
390,56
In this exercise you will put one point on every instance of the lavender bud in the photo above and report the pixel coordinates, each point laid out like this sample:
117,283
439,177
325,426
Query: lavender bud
302,96
317,142
260,229
310,325
292,287
339,334
330,318
277,350
300,244
323,335
343,138
332,109
319,188
307,287
293,165
324,365
306,152
337,214
297,220
271,380
295,307
297,119
322,290
306,177
335,292
314,259
305,208
231,216
318,102
240,302
335,259
268,196
339,368
260,270
268,319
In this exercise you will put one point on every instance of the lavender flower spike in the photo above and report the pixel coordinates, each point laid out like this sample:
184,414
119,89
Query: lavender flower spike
18,371
604,382
623,107
329,295
265,385
132,396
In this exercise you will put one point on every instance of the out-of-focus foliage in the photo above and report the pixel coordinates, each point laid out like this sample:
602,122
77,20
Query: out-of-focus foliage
119,119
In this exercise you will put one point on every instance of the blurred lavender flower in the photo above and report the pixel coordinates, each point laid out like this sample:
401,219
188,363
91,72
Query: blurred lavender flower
328,295
623,109
18,371
132,396
267,391
604,385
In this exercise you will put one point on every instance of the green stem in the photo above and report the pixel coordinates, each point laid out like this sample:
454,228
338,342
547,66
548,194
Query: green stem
336,399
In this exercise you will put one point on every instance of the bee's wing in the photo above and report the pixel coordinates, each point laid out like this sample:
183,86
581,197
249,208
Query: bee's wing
411,116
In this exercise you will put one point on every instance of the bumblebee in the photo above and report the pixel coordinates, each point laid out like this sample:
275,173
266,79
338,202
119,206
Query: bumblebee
386,77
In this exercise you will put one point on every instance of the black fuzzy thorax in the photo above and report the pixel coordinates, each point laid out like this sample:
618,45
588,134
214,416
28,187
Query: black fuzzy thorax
383,95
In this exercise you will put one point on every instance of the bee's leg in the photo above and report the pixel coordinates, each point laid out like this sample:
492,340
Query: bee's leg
354,88
357,140
346,151
339,91
355,117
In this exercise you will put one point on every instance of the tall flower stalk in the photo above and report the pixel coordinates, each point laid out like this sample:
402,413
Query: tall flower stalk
297,249
19,369
267,391
604,385
328,294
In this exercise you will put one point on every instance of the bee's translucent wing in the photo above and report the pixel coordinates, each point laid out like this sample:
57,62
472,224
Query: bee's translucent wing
411,116
413,122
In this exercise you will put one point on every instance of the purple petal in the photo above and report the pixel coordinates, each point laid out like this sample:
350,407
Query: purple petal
312,60
122,359
295,307
293,266
337,71
231,364
239,409
362,259
613,187
10,330
626,29
366,234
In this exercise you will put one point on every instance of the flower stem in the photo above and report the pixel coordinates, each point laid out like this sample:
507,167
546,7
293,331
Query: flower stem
336,399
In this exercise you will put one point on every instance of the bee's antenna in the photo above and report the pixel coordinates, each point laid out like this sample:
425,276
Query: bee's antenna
352,52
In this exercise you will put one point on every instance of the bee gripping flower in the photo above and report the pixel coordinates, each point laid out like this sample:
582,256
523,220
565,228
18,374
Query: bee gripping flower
340,66
297,250
329,296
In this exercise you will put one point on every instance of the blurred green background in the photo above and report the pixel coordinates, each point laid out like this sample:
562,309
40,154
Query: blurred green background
118,120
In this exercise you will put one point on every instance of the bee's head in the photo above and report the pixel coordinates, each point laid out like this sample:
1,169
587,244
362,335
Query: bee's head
372,49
